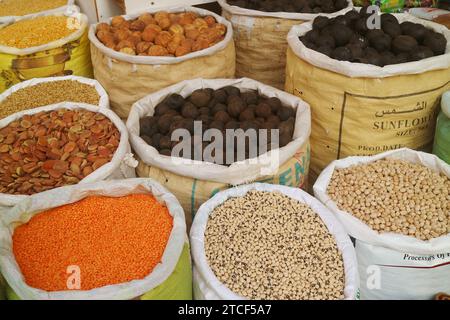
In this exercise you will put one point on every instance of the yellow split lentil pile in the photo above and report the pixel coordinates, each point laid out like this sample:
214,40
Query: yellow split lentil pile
35,32
46,93
24,7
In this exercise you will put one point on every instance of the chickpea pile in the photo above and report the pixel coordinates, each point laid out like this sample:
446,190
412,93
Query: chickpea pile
161,34
266,245
395,196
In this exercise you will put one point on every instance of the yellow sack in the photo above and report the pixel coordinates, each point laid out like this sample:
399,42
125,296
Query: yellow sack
195,182
260,39
362,109
67,56
128,78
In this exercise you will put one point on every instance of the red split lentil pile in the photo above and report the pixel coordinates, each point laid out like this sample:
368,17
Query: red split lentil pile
111,240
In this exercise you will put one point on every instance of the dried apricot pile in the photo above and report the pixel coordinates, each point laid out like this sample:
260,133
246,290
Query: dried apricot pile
51,149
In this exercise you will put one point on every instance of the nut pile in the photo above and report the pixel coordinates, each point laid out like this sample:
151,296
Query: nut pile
303,6
266,245
54,148
348,38
394,196
24,7
222,109
161,34
47,93
35,32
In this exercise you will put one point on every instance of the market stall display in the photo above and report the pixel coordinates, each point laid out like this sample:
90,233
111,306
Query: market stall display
364,109
43,46
442,138
93,223
194,181
262,241
260,29
61,144
178,44
397,207
45,91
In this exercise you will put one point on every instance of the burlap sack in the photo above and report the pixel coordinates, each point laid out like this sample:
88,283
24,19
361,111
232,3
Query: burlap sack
128,78
360,109
194,182
260,39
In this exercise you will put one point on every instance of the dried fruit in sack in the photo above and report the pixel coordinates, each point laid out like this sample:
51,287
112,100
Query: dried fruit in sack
35,32
47,93
224,108
395,196
169,32
110,240
347,38
50,149
266,245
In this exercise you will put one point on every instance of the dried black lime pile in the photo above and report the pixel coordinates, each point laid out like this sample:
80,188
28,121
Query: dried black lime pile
348,38
299,6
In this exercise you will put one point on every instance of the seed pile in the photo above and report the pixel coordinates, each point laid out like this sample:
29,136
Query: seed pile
266,245
51,149
24,7
161,34
348,38
395,196
47,93
35,32
224,109
303,6
111,240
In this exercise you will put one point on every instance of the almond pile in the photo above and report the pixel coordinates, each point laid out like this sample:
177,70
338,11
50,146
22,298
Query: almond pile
54,148
161,34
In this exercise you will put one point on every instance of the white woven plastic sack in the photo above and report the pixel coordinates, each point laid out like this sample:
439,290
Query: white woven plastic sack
149,60
121,166
237,173
391,265
355,70
206,284
249,13
8,19
35,204
80,19
103,101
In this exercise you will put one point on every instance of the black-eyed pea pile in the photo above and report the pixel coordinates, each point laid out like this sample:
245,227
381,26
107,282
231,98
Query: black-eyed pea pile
266,245
395,196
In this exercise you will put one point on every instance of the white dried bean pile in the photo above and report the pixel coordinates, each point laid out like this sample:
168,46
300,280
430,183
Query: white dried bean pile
395,196
266,245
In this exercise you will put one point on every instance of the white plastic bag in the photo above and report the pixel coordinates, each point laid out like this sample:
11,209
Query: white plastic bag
121,165
206,284
391,265
103,101
238,172
35,204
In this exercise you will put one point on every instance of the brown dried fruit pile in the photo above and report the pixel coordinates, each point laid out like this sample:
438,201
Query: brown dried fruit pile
54,148
161,34
45,93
